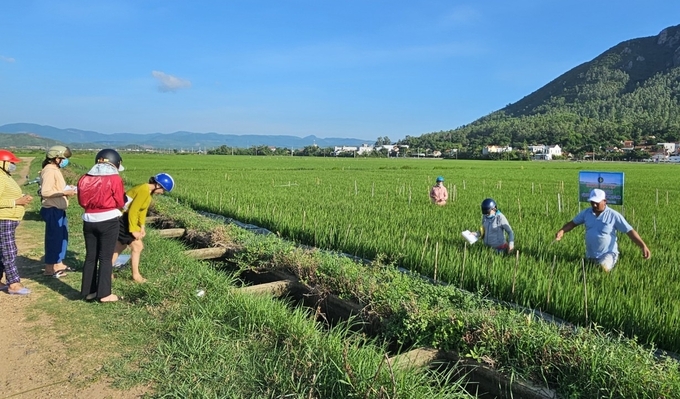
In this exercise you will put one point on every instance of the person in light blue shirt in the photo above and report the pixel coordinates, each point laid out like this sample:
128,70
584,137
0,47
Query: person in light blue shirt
602,223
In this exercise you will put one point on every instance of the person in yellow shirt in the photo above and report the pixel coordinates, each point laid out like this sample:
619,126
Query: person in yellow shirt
132,229
12,209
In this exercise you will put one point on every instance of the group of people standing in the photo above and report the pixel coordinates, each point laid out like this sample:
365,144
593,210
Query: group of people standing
601,225
112,219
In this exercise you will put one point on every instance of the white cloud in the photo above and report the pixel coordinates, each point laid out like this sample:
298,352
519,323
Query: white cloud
6,59
168,83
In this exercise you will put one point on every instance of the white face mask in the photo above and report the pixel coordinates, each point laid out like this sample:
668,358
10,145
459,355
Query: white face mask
11,168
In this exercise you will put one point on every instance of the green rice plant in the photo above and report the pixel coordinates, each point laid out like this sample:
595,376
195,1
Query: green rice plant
379,208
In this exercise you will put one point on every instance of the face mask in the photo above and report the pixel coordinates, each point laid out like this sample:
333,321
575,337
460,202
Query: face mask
11,168
63,163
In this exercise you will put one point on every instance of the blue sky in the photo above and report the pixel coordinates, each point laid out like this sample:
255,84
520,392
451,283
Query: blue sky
360,69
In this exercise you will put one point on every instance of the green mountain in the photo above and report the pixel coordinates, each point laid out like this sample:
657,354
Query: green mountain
26,140
629,92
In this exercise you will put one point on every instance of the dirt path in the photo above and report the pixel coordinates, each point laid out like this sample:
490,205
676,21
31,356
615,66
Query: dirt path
38,362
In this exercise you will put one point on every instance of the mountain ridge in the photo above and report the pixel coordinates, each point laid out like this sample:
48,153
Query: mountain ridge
629,92
77,138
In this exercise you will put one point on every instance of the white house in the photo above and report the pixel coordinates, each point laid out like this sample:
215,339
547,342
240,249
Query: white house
545,151
365,149
668,148
494,149
337,150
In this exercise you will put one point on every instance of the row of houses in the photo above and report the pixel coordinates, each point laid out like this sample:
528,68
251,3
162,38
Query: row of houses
539,151
366,149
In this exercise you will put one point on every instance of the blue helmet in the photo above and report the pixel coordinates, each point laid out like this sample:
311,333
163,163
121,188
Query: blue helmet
488,205
440,178
165,181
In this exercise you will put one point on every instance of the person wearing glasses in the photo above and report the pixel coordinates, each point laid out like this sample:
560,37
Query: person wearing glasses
602,223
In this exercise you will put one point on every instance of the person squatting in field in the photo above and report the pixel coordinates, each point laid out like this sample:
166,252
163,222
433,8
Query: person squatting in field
439,194
54,197
602,223
494,228
12,209
132,229
101,193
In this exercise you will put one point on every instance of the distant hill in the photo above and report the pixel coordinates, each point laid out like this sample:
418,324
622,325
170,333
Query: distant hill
179,140
629,92
26,140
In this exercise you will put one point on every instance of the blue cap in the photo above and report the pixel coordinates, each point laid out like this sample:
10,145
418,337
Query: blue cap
440,178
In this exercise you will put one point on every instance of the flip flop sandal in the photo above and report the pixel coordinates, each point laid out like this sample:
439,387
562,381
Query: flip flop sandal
59,274
21,291
4,287
91,297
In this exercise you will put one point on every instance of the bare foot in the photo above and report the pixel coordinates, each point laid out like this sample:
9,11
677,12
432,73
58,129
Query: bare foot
110,298
139,279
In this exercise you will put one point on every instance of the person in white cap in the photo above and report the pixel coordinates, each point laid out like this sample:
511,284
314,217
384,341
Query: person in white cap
601,224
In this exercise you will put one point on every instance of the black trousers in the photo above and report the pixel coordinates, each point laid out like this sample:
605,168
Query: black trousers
100,242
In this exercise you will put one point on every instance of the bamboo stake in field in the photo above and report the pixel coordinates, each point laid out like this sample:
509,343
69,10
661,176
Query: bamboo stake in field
585,288
514,275
436,256
546,207
552,275
454,193
373,190
403,240
356,190
559,203
462,272
532,187
657,197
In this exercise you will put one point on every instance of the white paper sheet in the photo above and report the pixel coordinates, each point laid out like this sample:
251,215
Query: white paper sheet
470,236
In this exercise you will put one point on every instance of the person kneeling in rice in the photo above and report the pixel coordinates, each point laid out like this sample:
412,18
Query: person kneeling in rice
132,229
494,228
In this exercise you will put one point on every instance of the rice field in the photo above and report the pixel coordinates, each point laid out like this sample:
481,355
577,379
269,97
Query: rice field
370,207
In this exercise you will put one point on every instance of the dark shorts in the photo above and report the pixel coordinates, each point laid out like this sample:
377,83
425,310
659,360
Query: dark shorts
124,235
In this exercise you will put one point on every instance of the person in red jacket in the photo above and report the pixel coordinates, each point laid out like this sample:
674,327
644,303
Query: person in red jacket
101,193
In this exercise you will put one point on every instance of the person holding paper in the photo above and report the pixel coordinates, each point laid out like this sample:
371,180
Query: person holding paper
602,223
438,194
495,227
132,229
54,194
